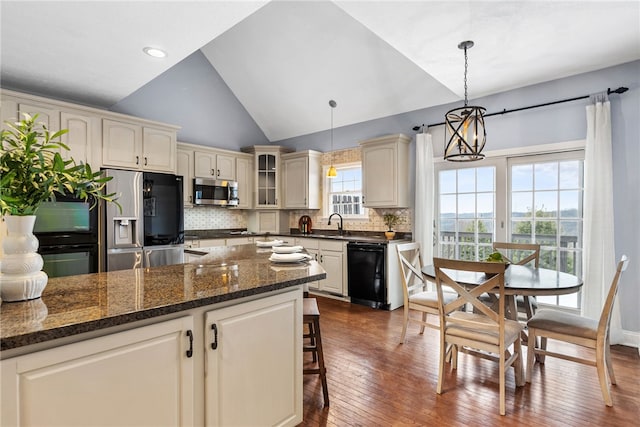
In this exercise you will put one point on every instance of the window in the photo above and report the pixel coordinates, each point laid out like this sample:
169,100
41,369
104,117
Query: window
529,198
546,208
343,194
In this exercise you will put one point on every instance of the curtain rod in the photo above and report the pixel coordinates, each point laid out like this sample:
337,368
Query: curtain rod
621,89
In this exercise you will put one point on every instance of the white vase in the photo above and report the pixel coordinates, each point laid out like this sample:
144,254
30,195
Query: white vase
21,277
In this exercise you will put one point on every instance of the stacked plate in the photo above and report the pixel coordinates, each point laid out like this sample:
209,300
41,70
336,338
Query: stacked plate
288,258
286,249
268,243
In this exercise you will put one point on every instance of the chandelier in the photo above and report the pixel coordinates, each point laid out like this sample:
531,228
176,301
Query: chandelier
464,127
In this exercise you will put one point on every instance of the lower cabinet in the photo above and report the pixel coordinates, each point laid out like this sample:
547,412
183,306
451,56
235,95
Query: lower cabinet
249,372
254,364
331,255
137,377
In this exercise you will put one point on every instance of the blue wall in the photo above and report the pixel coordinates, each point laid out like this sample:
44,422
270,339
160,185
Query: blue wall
557,123
193,95
222,122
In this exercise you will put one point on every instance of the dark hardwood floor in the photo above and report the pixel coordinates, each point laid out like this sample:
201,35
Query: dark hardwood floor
375,381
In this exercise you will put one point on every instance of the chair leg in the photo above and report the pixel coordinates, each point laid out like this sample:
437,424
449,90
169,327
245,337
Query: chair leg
543,346
443,352
323,371
518,364
424,320
501,374
601,366
404,324
607,354
531,350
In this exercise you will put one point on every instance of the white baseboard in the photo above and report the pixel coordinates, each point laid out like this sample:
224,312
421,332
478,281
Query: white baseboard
631,339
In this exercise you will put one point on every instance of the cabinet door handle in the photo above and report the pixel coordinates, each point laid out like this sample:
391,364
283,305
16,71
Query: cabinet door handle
145,161
320,258
218,172
190,351
137,160
214,344
213,173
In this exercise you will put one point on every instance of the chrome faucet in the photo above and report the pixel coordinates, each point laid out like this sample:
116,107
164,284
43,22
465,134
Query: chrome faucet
340,231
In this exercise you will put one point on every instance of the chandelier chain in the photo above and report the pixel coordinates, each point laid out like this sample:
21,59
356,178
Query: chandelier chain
466,66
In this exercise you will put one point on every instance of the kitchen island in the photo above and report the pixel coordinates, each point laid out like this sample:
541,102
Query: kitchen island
215,342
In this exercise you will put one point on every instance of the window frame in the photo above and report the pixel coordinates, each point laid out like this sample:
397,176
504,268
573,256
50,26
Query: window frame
502,161
326,187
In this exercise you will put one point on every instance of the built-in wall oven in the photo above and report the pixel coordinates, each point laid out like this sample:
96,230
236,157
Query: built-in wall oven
67,231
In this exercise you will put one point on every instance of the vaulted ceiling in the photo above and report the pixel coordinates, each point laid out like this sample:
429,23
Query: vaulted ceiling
284,60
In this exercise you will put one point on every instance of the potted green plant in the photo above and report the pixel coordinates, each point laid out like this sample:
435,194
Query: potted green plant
33,171
390,219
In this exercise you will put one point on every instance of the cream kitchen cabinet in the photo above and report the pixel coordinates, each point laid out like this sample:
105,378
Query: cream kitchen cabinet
331,255
133,146
268,221
184,168
385,171
83,136
210,164
257,343
302,178
142,376
267,175
244,177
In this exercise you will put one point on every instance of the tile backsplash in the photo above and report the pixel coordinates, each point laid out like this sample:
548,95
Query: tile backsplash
212,218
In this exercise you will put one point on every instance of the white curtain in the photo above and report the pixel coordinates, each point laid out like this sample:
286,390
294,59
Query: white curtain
425,197
599,259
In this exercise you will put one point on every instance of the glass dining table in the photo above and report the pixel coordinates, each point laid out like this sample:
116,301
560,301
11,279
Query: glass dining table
519,280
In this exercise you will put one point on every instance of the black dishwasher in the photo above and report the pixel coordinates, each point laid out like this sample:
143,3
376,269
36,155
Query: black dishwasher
366,274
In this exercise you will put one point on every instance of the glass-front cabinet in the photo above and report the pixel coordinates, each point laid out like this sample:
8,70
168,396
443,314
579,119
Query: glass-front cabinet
267,175
267,180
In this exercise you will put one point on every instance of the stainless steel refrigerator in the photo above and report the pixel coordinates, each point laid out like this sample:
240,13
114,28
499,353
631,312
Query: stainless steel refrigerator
149,230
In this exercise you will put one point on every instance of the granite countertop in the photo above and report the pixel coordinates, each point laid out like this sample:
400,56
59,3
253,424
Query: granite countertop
83,303
348,236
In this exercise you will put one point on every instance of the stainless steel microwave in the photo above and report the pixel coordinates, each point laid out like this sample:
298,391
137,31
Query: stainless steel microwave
215,192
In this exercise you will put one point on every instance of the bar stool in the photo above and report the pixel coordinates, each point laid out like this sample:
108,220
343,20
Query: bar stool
311,318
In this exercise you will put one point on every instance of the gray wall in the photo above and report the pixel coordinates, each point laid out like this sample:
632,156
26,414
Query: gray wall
223,122
557,123
192,94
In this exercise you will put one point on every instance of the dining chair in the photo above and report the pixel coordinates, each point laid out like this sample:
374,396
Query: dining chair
578,330
483,332
415,289
521,254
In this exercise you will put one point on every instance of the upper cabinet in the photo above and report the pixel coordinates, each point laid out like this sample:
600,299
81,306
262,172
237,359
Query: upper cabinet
133,146
302,179
82,138
184,168
210,164
244,177
385,171
267,175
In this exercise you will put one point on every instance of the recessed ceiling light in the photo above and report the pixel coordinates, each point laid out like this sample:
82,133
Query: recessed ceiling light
155,52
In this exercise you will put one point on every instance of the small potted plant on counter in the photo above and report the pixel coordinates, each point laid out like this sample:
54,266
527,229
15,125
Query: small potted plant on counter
33,171
390,219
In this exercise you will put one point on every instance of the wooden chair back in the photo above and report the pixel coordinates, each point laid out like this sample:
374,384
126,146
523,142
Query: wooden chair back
508,249
605,316
492,276
410,268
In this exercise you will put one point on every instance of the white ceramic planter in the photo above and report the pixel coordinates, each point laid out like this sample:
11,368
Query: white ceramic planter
21,277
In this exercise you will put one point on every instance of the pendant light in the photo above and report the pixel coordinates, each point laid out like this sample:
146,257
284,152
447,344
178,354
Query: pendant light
464,127
332,172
